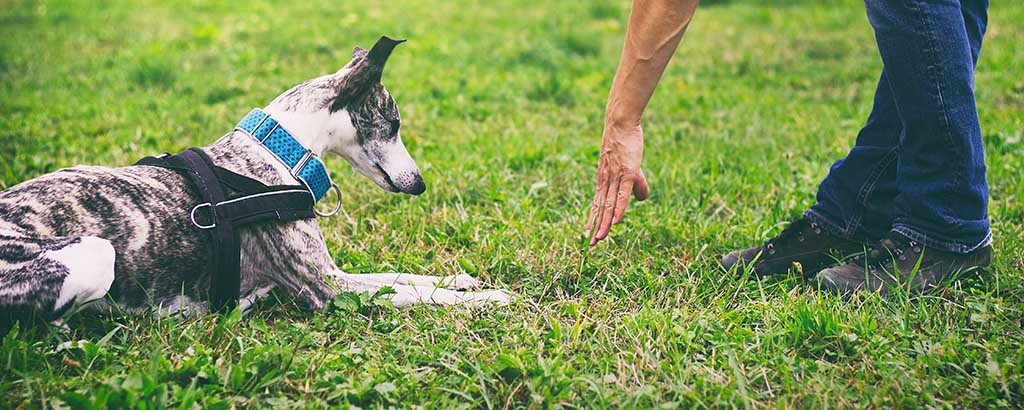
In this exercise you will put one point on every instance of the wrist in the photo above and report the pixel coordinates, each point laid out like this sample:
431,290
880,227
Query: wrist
623,131
621,122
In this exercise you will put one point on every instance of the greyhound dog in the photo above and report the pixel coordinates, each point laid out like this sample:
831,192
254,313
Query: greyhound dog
125,236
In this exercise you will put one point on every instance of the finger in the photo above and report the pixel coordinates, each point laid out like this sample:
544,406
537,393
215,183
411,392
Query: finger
596,210
605,219
622,200
595,207
640,189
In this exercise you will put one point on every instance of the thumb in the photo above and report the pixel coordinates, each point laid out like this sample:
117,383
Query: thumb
640,187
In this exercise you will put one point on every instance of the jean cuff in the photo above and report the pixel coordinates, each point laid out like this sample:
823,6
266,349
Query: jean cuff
948,246
830,226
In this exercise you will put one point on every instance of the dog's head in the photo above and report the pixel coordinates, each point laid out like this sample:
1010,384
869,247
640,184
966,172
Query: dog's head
351,114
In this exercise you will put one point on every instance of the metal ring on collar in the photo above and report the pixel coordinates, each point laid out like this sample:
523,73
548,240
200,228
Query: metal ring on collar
192,215
337,207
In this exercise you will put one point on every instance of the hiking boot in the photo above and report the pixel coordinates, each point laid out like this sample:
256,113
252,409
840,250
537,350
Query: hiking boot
802,242
898,261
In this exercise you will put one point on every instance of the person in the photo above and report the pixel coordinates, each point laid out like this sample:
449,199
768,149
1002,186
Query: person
907,207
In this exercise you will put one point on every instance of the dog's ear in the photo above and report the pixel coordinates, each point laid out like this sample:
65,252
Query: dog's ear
369,65
382,50
365,73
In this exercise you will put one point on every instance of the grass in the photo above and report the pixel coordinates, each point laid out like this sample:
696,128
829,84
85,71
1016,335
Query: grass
502,102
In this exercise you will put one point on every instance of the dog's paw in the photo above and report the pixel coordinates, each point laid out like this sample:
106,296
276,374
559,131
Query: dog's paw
459,282
488,297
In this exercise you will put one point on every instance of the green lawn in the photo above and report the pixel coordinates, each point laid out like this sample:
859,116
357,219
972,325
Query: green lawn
502,103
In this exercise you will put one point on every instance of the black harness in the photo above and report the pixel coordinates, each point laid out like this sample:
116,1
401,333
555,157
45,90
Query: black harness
231,201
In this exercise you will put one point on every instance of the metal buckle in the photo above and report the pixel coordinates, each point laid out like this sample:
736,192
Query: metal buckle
257,127
337,207
295,174
270,132
192,215
302,163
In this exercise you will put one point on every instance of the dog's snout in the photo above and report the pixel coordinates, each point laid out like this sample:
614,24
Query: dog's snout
396,170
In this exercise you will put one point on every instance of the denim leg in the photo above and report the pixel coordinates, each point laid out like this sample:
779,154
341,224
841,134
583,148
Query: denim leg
975,14
855,200
940,169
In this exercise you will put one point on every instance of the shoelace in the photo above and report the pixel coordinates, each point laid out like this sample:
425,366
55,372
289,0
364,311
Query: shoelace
795,229
893,246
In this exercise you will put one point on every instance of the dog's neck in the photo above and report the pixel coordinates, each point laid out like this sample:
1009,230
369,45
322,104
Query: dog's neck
240,153
318,131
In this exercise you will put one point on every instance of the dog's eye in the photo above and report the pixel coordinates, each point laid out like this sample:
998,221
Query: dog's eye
395,124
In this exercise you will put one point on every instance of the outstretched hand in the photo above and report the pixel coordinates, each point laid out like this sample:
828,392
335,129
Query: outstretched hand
618,177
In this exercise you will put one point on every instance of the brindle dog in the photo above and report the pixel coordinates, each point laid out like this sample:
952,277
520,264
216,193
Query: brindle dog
124,236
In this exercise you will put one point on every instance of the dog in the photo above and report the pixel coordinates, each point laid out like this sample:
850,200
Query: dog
96,236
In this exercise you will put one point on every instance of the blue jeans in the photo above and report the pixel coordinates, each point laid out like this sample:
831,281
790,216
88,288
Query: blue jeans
918,167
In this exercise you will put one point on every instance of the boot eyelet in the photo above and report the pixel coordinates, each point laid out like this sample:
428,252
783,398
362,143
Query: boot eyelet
801,239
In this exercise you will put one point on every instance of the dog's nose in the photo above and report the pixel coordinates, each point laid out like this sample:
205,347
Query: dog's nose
408,182
418,187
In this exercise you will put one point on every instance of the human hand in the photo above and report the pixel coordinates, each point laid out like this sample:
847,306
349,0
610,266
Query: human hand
618,176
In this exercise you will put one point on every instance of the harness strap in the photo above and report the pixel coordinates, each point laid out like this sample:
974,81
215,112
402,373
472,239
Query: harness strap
226,280
231,180
288,204
255,202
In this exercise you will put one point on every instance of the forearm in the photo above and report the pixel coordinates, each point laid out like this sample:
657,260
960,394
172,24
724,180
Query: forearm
655,28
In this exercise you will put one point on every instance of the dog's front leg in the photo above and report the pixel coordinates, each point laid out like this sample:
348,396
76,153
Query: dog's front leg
407,294
453,282
295,257
416,289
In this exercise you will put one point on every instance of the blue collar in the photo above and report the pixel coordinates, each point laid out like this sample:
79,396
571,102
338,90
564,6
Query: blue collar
303,164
